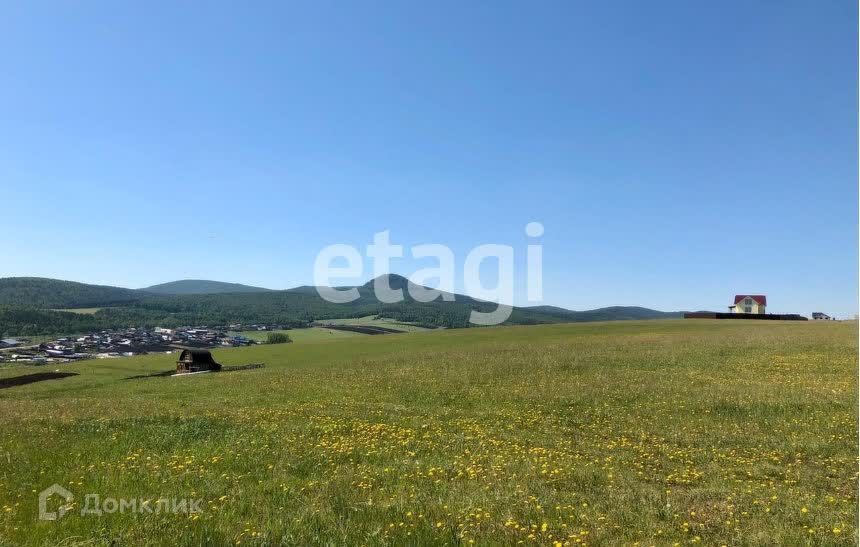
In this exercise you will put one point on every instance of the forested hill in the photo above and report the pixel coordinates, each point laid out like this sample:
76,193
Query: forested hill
201,286
26,304
42,293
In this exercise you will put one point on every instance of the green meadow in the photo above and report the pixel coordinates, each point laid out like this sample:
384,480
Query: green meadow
83,311
312,334
374,321
650,433
322,334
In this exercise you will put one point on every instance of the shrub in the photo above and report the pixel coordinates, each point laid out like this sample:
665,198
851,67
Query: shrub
278,338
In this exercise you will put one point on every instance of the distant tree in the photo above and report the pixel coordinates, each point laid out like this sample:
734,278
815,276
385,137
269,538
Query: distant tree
278,338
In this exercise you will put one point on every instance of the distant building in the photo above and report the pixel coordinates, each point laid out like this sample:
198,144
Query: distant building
10,343
749,303
818,316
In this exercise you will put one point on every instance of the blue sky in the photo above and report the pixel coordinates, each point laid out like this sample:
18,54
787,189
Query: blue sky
677,153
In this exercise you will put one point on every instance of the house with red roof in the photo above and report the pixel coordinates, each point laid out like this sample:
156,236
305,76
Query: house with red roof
749,303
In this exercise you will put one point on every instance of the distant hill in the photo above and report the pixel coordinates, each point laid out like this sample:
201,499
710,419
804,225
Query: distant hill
201,286
611,313
25,305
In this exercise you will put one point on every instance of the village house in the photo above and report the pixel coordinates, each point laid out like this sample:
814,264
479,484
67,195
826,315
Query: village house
124,343
819,316
749,303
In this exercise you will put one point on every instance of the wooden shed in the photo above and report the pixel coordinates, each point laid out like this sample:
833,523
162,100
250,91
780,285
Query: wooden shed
196,360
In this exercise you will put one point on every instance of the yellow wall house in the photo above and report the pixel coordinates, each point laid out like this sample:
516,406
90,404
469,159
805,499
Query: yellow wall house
749,303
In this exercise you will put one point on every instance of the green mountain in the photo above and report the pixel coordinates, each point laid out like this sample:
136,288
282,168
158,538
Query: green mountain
26,304
201,286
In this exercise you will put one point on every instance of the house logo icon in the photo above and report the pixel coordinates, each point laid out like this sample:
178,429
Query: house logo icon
54,489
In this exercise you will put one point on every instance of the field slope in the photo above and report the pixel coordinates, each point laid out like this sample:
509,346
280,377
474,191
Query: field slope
723,432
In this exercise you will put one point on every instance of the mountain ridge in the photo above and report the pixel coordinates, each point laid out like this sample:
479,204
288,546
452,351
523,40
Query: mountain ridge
30,306
200,286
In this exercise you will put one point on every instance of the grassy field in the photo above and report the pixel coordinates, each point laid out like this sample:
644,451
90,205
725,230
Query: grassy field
313,334
662,432
34,340
85,311
373,321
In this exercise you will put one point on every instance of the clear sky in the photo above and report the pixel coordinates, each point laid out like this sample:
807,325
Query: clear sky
677,153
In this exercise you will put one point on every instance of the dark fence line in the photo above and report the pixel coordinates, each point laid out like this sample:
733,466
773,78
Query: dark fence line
758,316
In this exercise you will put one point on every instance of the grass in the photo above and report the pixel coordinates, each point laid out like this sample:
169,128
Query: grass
662,432
322,334
84,311
374,321
313,334
34,340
